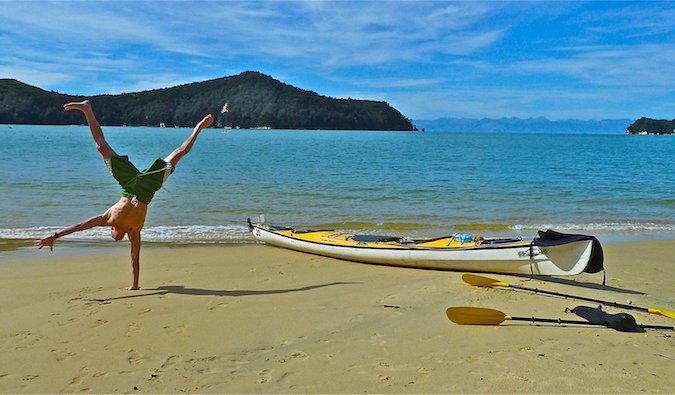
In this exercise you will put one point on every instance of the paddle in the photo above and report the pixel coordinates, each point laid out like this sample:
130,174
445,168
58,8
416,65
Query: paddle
483,316
481,281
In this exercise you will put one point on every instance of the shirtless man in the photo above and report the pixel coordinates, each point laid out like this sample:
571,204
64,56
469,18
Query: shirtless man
127,216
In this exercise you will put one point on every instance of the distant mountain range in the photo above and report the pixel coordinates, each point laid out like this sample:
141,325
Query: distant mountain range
247,100
527,125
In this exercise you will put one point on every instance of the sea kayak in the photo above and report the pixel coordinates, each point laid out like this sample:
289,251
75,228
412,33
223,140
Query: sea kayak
550,253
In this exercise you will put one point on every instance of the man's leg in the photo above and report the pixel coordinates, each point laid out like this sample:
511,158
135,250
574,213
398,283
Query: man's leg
96,132
181,151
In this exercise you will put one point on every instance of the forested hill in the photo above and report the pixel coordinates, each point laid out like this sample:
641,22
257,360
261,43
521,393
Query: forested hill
246,100
651,126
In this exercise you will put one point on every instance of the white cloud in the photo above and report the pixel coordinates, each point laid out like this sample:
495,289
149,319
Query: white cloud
523,102
113,43
333,34
428,58
148,81
631,20
35,77
629,66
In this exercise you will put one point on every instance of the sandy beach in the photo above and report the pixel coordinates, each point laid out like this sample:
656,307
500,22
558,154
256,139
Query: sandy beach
258,319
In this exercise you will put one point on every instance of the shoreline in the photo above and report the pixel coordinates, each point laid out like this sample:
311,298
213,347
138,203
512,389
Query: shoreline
8,245
256,319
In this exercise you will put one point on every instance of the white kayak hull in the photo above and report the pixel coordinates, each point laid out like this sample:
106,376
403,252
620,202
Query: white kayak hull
509,258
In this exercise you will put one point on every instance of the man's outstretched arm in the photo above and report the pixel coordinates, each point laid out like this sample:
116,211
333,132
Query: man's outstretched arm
99,220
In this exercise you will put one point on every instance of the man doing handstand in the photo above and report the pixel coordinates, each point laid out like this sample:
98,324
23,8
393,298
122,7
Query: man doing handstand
127,216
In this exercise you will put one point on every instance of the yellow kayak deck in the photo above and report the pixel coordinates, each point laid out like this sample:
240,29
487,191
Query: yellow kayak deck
332,237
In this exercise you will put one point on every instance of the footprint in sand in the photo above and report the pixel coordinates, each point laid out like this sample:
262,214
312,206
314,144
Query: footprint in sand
357,318
134,357
236,362
384,364
170,361
98,323
203,364
175,330
284,377
377,339
154,375
23,339
328,357
299,355
62,355
77,381
325,341
265,376
218,306
132,329
389,366
66,322
21,335
389,299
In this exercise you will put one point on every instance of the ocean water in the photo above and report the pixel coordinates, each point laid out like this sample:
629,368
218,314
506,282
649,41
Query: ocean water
411,184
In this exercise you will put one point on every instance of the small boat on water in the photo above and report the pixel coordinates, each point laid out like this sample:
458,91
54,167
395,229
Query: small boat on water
550,253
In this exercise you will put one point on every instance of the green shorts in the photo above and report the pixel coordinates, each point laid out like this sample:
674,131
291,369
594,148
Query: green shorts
139,184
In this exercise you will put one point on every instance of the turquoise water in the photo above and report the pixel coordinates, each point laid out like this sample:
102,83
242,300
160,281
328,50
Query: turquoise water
413,184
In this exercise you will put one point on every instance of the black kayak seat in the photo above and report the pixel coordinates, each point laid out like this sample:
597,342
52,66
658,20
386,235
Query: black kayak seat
501,240
374,239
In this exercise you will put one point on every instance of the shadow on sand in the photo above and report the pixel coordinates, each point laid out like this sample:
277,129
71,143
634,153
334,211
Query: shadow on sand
581,284
182,290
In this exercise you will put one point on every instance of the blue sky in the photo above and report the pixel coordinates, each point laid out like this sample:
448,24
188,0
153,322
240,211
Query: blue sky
584,60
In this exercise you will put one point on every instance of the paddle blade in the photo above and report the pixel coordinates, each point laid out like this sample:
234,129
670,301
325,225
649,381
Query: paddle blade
664,312
475,316
482,281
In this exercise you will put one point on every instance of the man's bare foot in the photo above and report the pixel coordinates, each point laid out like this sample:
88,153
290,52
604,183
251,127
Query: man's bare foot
132,288
82,106
205,122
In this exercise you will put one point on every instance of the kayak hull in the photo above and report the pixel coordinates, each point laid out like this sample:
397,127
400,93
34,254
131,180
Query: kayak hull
514,257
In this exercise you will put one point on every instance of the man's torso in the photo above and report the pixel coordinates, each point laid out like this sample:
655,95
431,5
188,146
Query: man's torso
127,215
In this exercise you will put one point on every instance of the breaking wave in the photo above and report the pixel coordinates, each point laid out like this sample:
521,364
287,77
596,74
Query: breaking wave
239,234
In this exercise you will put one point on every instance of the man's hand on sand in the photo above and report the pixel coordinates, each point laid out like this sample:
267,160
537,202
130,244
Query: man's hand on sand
45,242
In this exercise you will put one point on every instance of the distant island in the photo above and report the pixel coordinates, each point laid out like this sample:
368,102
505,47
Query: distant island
247,100
520,125
651,126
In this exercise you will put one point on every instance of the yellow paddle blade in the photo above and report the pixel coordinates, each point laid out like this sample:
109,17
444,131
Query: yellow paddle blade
481,281
667,313
475,316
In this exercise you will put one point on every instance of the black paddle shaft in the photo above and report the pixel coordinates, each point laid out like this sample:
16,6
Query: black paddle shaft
578,322
554,321
606,303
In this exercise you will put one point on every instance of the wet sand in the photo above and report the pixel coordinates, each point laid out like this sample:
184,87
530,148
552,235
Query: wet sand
258,319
